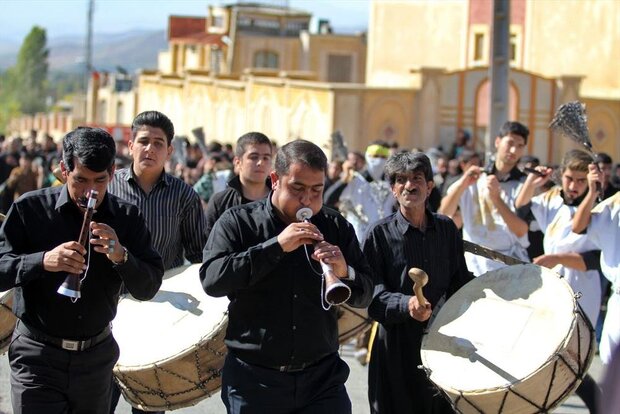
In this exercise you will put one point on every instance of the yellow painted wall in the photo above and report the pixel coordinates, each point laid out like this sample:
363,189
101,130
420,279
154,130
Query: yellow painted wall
323,45
406,34
576,37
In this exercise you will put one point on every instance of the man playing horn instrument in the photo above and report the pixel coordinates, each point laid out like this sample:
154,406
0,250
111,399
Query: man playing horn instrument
279,332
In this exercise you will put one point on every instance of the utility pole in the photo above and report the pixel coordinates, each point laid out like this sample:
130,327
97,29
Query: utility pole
499,71
88,59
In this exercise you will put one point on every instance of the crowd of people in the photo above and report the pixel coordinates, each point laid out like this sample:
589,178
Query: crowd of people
162,201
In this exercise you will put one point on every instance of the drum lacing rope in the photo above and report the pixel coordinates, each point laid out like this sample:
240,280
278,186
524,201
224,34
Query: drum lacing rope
358,326
208,375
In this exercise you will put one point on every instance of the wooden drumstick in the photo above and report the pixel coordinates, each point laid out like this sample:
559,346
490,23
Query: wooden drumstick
420,278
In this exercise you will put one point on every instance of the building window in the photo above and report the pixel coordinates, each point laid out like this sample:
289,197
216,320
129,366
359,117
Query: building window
266,59
339,68
217,21
478,47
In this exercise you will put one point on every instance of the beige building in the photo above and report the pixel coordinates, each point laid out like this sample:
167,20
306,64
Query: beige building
560,51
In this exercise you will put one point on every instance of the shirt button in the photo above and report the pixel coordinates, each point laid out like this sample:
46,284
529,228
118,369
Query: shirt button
294,327
295,296
292,358
79,316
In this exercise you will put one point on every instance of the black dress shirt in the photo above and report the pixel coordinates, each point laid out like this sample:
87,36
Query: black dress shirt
223,200
43,219
275,312
172,212
392,247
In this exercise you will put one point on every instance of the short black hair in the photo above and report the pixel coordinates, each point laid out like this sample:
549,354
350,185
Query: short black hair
301,151
94,148
514,127
251,138
154,119
603,158
408,162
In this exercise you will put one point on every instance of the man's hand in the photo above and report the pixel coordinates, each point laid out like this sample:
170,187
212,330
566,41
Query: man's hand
107,242
66,257
470,176
494,189
547,260
419,312
594,176
297,234
330,254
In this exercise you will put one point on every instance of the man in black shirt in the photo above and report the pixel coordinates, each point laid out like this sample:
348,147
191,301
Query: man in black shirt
252,164
411,237
280,333
62,352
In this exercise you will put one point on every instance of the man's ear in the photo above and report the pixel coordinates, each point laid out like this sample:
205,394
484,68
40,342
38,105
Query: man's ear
64,171
274,179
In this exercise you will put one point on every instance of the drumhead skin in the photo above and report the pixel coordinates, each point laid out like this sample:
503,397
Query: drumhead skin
501,331
172,346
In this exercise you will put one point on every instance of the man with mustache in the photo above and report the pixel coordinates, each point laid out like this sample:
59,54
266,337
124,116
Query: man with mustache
282,338
486,200
411,237
62,352
171,208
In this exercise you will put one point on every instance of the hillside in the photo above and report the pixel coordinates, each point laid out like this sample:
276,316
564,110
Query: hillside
131,50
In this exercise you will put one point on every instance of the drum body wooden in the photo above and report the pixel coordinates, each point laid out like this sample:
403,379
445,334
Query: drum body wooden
172,347
351,322
7,320
513,340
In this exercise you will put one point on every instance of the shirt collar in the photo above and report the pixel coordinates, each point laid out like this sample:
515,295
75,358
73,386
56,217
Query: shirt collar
163,178
402,224
514,175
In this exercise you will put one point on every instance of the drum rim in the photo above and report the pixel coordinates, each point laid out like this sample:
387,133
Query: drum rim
561,342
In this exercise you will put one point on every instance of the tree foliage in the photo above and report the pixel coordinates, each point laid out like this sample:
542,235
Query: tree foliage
30,72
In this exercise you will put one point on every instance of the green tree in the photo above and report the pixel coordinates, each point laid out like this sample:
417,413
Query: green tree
30,72
9,107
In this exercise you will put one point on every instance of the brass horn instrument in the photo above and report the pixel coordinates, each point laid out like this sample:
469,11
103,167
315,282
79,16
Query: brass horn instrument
336,292
71,286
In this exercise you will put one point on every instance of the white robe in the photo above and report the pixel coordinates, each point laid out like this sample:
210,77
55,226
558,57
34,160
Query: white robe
482,224
555,220
363,203
604,232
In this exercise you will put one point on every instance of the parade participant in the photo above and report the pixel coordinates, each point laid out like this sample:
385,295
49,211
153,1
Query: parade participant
604,231
171,207
554,211
605,163
411,237
486,201
62,352
253,164
571,255
279,331
364,197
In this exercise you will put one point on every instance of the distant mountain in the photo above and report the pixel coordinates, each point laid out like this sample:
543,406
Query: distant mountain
131,50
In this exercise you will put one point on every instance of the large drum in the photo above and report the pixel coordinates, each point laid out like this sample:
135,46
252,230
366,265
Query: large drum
351,322
513,340
7,320
172,347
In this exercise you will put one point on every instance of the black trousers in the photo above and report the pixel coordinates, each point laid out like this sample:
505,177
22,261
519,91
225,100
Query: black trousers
50,380
318,389
115,395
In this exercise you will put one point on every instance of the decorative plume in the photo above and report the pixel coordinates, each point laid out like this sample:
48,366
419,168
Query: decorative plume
570,120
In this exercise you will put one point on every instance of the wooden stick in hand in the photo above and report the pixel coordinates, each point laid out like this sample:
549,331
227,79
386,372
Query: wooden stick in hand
420,278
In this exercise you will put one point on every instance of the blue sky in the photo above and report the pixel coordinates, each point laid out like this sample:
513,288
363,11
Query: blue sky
68,17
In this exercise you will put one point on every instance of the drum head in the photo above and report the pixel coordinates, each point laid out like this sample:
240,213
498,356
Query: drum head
499,329
179,317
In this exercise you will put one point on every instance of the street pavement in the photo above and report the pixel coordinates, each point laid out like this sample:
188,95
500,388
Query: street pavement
356,386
